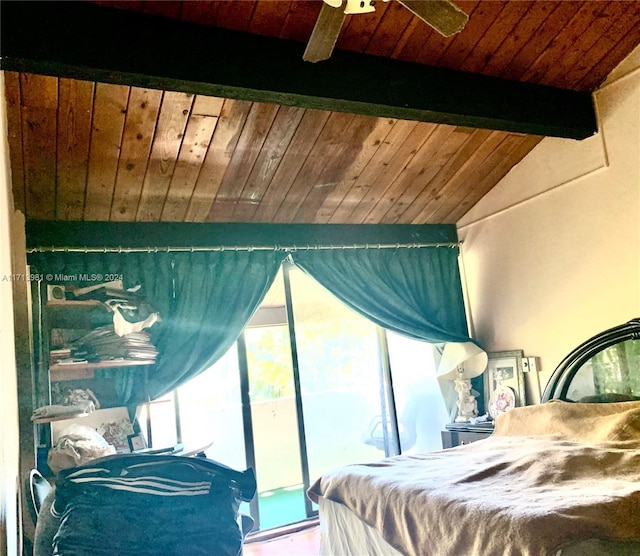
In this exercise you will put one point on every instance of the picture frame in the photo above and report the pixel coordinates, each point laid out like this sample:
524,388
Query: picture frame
504,382
136,442
111,423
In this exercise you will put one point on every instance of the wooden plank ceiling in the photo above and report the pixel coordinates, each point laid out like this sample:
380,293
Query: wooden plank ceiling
85,150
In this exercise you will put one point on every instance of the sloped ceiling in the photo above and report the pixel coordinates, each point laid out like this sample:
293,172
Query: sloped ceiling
113,148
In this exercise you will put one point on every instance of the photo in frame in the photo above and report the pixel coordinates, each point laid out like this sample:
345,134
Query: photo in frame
112,424
504,382
137,442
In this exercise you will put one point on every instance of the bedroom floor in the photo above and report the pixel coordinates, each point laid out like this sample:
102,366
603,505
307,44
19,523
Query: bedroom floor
302,543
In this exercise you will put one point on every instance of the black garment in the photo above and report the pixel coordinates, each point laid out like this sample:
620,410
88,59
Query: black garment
150,505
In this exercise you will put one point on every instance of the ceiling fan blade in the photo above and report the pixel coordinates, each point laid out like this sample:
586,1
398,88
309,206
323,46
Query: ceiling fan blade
325,34
444,16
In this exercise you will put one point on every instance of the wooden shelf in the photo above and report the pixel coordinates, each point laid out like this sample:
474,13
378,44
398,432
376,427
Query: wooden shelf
70,304
61,417
75,371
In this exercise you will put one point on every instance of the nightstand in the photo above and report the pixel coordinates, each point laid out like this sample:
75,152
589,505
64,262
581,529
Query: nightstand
457,434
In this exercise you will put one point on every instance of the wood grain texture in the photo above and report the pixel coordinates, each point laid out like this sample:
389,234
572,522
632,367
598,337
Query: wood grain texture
443,154
370,145
14,127
392,169
269,18
429,201
193,151
482,15
385,37
410,180
357,30
253,136
110,108
336,166
517,40
172,120
601,39
266,164
74,130
540,39
517,151
447,173
352,82
364,182
491,165
309,129
89,150
223,143
39,126
194,144
626,43
314,171
140,124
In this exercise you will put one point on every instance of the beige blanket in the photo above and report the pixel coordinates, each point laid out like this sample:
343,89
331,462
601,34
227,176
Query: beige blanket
506,495
591,422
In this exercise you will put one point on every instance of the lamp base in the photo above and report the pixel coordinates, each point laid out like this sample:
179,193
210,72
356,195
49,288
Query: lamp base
467,404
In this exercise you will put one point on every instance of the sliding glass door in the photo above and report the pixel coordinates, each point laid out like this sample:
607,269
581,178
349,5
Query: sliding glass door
211,410
316,393
274,418
344,398
307,388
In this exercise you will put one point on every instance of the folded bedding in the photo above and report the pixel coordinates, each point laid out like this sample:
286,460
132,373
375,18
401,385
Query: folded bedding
549,476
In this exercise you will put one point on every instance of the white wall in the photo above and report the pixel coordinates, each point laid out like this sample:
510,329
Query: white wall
9,443
551,256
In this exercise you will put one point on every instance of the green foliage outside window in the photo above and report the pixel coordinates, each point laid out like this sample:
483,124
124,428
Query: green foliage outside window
335,355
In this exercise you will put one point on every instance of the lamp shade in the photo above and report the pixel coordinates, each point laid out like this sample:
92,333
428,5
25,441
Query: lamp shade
462,360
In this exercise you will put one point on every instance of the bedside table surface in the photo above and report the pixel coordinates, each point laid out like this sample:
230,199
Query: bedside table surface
469,427
457,434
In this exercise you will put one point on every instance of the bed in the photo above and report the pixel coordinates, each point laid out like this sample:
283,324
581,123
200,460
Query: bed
558,478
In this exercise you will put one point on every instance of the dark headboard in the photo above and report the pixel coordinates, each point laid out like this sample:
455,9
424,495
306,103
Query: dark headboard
605,368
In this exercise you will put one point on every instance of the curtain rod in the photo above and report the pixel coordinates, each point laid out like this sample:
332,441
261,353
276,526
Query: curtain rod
287,248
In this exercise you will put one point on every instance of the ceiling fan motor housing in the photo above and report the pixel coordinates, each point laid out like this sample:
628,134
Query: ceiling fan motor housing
354,6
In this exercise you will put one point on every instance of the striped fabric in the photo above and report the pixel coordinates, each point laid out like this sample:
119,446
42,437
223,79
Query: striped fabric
148,484
150,505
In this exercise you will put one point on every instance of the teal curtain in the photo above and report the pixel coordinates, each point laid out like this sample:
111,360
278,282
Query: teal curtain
216,293
413,291
204,299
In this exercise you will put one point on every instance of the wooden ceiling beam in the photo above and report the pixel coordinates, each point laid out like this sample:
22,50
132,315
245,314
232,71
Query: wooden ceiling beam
127,235
82,41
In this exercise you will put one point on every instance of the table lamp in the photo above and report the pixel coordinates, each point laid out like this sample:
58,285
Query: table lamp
460,362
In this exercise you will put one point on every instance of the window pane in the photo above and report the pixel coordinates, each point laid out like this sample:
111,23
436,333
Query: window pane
420,407
275,426
339,367
211,410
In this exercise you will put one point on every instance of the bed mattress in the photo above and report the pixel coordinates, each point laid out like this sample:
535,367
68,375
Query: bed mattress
342,533
508,494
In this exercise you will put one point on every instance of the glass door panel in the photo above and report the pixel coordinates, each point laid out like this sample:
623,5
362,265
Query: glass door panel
339,362
281,496
211,410
420,405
